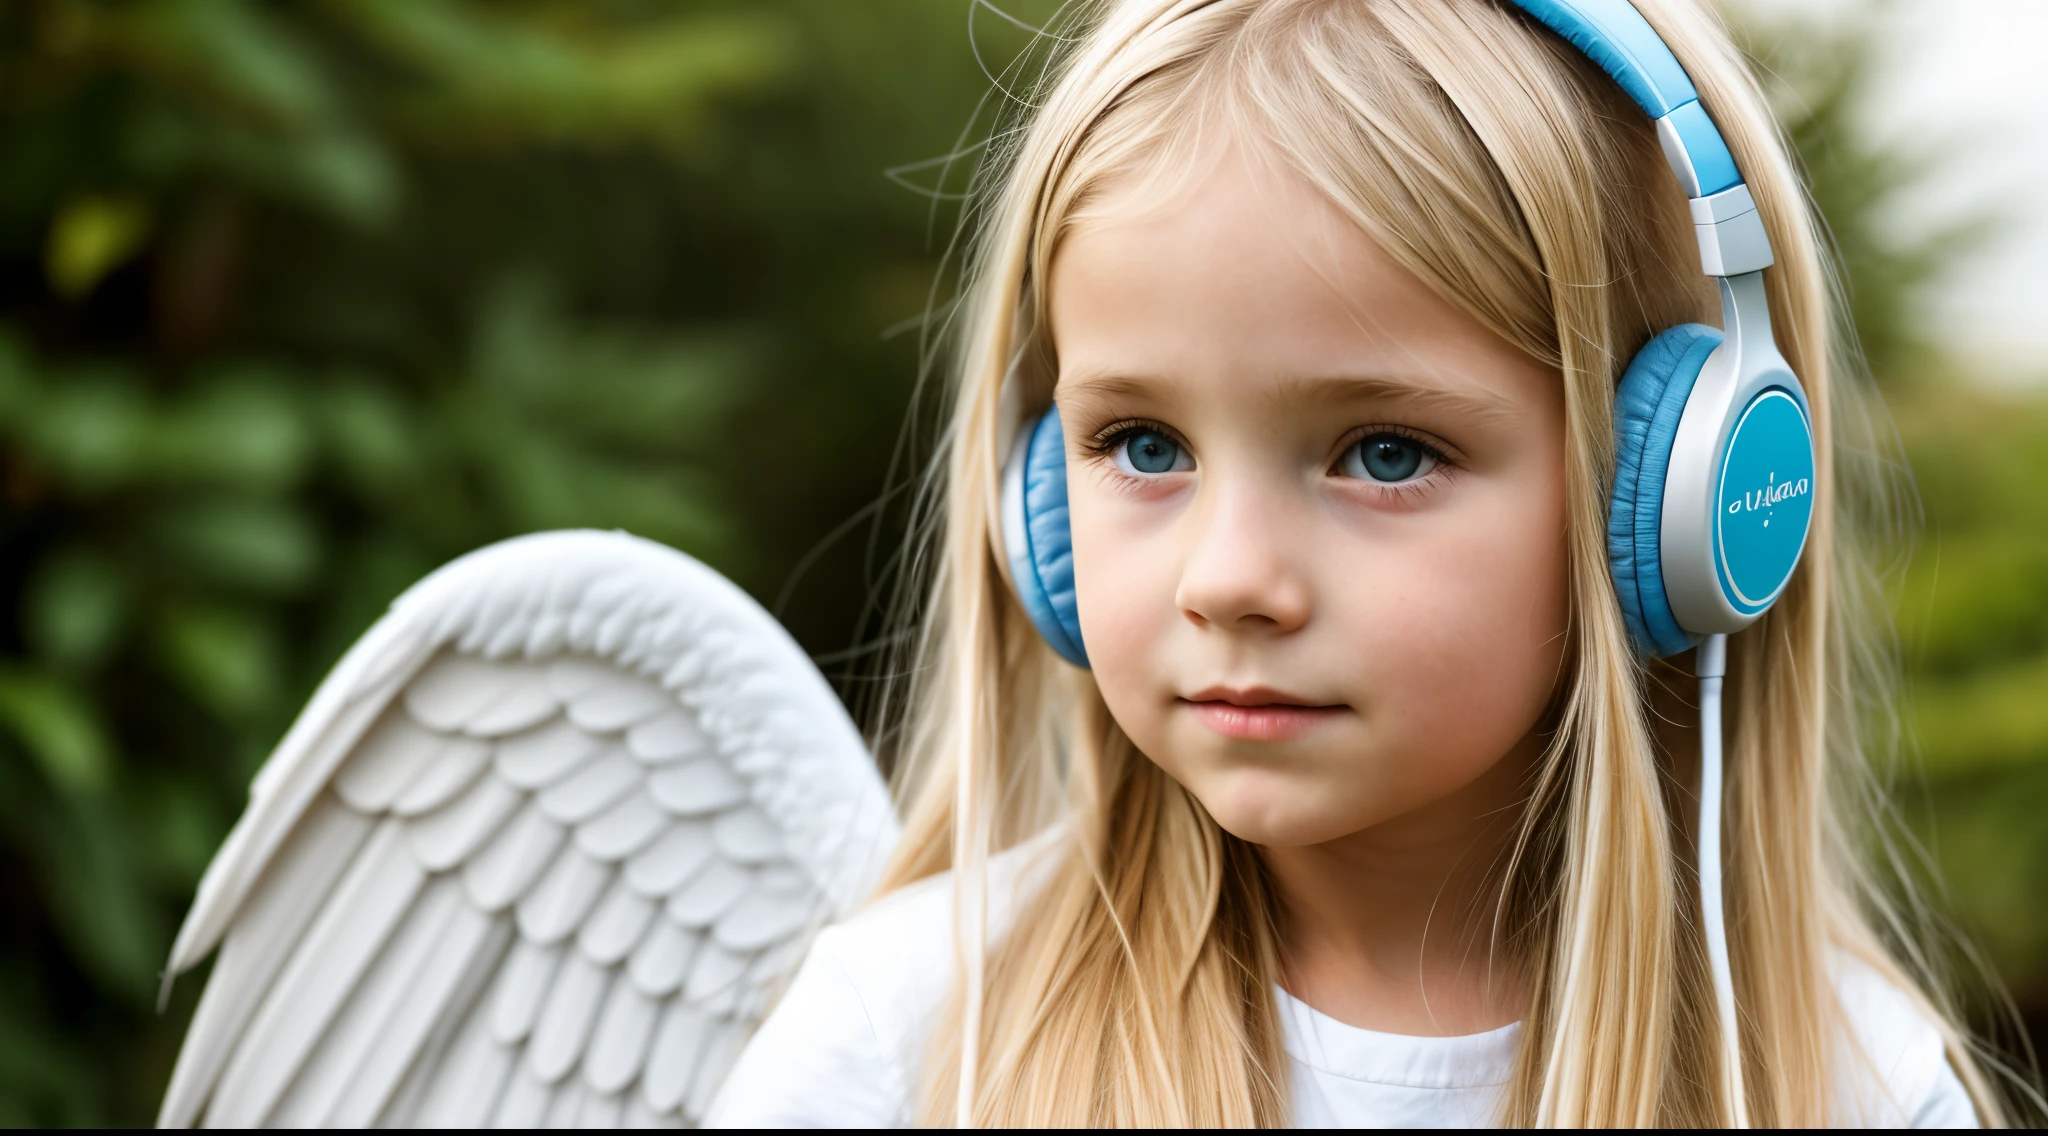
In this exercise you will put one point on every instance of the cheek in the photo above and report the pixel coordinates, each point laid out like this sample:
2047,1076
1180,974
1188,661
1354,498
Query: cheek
1466,628
1125,575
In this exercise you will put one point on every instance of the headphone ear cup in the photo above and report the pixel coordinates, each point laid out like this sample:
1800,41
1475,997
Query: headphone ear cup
1647,410
1037,541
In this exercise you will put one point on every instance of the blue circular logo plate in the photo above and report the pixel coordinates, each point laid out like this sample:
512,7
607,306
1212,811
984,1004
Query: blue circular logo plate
1765,501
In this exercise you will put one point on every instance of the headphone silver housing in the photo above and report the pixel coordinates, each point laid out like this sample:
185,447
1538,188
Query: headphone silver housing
1745,365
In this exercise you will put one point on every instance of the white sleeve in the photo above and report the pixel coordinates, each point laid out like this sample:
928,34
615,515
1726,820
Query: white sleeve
1946,1104
816,1062
1896,1074
845,1046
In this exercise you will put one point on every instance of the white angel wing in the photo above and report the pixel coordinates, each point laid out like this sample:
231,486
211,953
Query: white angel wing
538,851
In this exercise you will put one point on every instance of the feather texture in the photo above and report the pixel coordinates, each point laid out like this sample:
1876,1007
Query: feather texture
708,894
565,1021
362,1021
761,919
537,851
508,865
676,855
616,926
453,689
712,1065
699,787
522,987
261,942
525,701
349,931
621,1037
601,1111
452,769
663,958
563,897
525,1100
678,1041
446,837
591,789
547,753
394,753
623,829
669,736
464,1086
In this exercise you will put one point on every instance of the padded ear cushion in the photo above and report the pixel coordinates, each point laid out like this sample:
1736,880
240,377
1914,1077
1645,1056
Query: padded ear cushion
1647,410
1039,544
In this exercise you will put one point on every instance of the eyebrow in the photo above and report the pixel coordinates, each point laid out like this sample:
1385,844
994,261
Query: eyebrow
1484,405
1481,404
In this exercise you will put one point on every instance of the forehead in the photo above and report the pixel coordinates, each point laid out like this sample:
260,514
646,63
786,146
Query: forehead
1246,272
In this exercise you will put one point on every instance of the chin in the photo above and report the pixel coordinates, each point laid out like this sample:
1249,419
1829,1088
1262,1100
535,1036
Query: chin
1270,807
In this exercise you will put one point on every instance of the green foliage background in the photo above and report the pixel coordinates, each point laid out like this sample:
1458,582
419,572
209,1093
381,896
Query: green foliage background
302,298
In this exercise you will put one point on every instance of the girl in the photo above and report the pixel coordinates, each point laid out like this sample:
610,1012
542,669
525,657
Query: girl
1367,808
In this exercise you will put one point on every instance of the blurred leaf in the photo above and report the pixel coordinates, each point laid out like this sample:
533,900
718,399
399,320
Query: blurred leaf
228,658
544,486
1993,853
371,434
530,77
92,427
1993,719
232,50
91,236
76,602
334,170
1975,597
257,544
607,385
17,384
41,1085
1973,617
57,727
93,884
181,828
369,574
243,427
247,97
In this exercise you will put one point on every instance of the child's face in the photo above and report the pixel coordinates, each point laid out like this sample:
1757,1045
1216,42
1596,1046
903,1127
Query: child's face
1318,512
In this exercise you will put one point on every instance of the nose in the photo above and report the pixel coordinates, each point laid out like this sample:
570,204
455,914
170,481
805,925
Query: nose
1243,574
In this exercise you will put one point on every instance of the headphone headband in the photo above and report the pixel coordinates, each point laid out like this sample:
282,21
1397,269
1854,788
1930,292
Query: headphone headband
1616,37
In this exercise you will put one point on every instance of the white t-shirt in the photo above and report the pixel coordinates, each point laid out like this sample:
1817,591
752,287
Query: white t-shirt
844,1045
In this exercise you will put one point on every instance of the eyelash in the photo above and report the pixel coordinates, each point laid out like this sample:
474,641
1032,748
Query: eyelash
1444,467
1106,440
1102,447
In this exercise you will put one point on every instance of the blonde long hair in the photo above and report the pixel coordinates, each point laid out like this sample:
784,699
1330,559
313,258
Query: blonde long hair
1512,177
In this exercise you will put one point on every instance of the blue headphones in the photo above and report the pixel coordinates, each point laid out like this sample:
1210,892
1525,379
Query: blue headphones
1714,474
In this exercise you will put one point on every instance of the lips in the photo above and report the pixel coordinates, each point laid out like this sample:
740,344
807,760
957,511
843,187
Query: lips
1257,714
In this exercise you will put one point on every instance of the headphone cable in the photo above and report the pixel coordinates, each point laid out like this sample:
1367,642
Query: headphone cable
1711,662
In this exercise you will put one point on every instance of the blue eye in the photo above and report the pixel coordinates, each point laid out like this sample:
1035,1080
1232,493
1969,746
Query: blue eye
1149,452
1388,458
